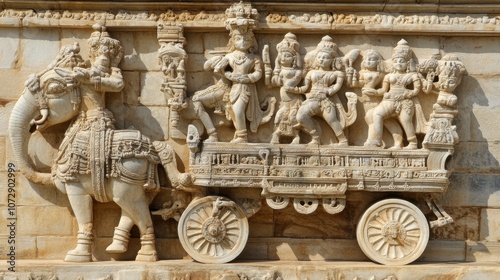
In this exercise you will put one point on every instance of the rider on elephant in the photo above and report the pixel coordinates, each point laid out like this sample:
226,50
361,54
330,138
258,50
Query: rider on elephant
83,148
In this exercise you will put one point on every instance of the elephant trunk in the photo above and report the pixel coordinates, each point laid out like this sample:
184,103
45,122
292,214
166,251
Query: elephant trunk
19,125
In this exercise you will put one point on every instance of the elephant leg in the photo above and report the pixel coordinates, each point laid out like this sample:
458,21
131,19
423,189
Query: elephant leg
121,236
81,204
132,199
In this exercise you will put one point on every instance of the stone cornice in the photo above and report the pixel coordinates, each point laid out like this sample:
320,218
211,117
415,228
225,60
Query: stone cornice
274,17
378,6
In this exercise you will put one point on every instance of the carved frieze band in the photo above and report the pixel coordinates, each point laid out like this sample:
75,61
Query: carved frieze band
289,21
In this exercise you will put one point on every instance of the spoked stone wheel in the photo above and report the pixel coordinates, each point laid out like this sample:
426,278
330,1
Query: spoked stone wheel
213,230
393,232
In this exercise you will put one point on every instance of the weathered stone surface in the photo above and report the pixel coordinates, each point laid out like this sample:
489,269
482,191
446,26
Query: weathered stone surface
106,217
10,48
150,90
153,121
2,153
288,223
478,156
487,129
14,88
140,51
39,47
24,247
326,249
45,216
444,251
477,53
255,270
465,226
132,89
474,190
194,43
30,194
482,251
490,222
45,246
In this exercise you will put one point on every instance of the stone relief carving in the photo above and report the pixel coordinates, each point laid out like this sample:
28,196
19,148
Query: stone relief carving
390,92
95,160
173,58
399,103
234,95
292,17
321,84
287,74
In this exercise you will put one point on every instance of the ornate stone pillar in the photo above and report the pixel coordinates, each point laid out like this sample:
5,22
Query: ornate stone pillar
172,59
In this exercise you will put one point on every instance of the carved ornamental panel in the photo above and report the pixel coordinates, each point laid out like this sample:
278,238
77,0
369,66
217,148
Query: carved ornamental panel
299,122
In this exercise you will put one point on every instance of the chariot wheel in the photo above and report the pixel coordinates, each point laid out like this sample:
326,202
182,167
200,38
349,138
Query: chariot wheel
213,230
393,232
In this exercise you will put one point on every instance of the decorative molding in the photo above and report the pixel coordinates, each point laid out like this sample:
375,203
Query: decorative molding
395,21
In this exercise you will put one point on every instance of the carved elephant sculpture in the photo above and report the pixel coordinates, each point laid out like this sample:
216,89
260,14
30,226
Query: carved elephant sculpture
132,187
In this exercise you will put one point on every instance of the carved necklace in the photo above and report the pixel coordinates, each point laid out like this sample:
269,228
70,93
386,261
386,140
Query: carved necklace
239,57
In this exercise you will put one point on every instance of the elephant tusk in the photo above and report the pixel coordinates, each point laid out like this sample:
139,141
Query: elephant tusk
43,119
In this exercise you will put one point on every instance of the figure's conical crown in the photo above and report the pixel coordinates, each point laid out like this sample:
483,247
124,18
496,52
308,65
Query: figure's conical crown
402,50
289,44
327,45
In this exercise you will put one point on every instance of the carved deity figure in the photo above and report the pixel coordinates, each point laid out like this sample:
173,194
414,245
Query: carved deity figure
240,69
243,68
288,73
321,85
400,88
369,78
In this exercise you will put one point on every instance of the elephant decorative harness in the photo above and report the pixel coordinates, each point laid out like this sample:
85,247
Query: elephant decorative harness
93,146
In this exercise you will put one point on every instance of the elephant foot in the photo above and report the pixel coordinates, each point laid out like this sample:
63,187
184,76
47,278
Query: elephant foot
82,252
116,248
146,256
78,256
147,253
121,238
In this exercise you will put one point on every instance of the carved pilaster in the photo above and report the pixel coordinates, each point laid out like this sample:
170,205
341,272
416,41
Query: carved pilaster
172,59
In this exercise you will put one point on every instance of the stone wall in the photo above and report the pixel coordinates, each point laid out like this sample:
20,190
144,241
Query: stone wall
46,227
